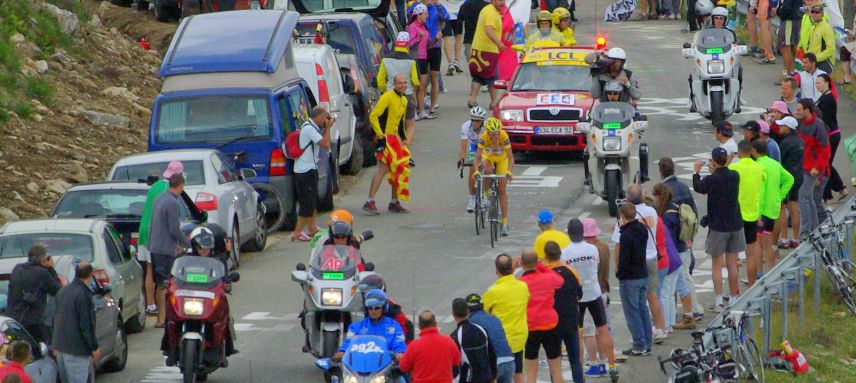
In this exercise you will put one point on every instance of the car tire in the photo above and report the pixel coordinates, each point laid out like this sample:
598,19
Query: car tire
259,240
137,324
118,362
325,203
355,163
334,168
235,257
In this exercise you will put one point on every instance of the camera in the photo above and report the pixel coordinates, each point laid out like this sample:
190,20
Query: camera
600,66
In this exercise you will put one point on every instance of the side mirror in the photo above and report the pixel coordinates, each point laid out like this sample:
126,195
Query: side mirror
741,50
132,252
204,215
500,84
688,52
247,173
584,127
301,267
687,45
641,126
369,266
640,117
234,276
299,276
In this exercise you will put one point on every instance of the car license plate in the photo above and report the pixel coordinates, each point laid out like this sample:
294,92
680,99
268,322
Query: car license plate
554,130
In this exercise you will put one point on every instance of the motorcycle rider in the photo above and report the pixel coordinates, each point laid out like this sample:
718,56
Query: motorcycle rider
342,234
609,67
378,324
562,24
375,281
324,234
719,19
545,35
613,91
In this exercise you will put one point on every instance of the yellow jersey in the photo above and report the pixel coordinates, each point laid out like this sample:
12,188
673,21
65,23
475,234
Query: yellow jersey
494,150
488,16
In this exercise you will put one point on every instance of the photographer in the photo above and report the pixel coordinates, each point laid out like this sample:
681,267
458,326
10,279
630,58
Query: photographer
608,67
314,135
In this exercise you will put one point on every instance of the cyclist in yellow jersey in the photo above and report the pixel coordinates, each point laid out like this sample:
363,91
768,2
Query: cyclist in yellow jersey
494,153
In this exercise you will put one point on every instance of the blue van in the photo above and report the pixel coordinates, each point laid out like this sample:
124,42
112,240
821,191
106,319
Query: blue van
350,33
230,83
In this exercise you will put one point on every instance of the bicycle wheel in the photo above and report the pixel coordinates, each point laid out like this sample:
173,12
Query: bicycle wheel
478,208
843,285
843,258
752,361
494,219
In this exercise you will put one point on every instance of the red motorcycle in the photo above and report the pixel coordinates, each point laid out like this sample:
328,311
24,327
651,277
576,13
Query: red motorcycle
197,317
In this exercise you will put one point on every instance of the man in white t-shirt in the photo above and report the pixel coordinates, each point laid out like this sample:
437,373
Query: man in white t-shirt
314,135
648,216
724,133
808,77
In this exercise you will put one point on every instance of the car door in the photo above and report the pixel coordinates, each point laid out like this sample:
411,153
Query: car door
42,368
340,104
127,285
105,322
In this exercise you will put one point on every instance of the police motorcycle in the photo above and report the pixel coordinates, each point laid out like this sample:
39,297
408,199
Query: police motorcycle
615,155
714,80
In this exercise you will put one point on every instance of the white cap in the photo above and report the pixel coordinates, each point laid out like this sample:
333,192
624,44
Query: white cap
419,9
403,36
789,122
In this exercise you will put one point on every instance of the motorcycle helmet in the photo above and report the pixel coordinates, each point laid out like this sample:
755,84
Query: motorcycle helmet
719,11
341,229
543,16
477,113
704,7
613,87
560,13
616,54
340,215
373,282
202,238
493,125
376,298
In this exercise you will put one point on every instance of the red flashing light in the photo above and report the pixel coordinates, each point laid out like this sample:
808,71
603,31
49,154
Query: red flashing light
600,43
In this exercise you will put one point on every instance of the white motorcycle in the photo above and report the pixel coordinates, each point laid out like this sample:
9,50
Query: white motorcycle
615,155
715,77
332,295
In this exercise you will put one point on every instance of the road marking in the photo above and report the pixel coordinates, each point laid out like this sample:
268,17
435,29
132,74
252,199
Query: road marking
536,181
585,215
533,171
597,202
163,374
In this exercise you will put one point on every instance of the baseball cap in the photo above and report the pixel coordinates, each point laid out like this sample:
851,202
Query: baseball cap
418,10
752,126
789,122
725,128
817,7
719,153
474,301
575,230
764,126
172,169
590,228
780,106
403,39
545,217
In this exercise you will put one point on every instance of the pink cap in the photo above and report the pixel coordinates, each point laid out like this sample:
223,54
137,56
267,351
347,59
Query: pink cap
590,228
173,168
780,106
765,127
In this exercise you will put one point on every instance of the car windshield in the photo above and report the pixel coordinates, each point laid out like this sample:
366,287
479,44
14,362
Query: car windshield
714,38
329,5
4,295
215,119
17,245
334,262
193,173
101,203
532,76
202,270
339,37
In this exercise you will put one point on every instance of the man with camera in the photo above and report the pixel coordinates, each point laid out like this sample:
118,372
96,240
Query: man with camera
608,67
314,135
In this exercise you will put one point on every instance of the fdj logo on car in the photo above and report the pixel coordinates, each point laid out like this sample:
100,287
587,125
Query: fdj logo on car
366,348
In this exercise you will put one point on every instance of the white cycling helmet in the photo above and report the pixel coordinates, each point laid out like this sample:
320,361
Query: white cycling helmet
704,7
613,87
616,54
477,113
719,11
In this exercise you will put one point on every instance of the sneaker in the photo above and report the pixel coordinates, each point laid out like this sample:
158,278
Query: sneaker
425,116
542,362
484,89
451,70
659,336
418,116
504,231
715,308
636,352
411,163
371,208
613,375
677,16
794,243
619,356
596,370
687,323
768,60
458,67
471,205
395,207
783,244
152,310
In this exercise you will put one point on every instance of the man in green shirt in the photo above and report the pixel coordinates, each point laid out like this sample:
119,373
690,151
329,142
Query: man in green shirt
143,255
752,178
776,187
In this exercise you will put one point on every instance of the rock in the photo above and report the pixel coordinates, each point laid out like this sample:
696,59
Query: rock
33,187
18,38
37,117
120,92
41,66
68,21
141,110
77,174
95,22
106,119
8,214
57,186
79,157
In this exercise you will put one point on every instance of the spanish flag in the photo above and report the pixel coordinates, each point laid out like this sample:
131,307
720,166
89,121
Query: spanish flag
397,157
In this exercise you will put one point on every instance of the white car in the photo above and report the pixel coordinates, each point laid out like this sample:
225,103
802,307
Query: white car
214,186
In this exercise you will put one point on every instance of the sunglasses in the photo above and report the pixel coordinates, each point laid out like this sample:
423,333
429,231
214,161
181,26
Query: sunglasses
375,308
340,236
816,12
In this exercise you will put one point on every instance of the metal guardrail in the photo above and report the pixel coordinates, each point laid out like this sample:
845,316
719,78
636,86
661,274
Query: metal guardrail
777,284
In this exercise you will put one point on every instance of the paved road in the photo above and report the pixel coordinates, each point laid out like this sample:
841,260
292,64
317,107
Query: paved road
430,256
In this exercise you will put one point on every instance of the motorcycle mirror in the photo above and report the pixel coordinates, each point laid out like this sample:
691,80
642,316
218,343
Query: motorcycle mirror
741,50
299,276
301,267
641,117
367,235
688,52
369,266
641,126
234,276
687,45
323,363
584,127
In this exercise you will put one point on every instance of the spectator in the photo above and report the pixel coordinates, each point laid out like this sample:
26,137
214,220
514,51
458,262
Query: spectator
752,179
760,130
545,223
486,47
777,111
478,358
820,39
491,324
828,107
468,15
74,336
724,133
789,31
508,299
808,77
430,358
453,43
845,55
725,226
789,90
761,12
29,285
680,191
815,137
673,282
312,139
399,62
777,184
648,216
632,274
166,236
792,148
766,137
391,153
566,299
21,356
596,358
541,317
144,256
420,38
437,19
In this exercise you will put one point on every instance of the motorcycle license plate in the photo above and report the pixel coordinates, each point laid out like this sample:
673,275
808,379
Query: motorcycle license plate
194,294
554,130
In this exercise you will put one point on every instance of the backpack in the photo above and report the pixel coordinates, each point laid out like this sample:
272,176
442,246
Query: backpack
291,148
689,223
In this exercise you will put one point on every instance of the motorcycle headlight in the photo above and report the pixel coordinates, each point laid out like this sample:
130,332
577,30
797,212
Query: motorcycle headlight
611,143
347,377
511,115
715,66
331,297
193,306
378,379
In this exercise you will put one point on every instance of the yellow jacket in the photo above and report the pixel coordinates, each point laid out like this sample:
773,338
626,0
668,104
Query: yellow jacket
568,35
537,40
398,59
818,38
508,299
392,106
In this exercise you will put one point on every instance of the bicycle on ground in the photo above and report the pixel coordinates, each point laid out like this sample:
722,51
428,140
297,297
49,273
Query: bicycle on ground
838,267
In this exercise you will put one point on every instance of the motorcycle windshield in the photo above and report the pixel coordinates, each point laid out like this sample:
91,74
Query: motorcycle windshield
612,115
334,262
367,354
197,270
714,40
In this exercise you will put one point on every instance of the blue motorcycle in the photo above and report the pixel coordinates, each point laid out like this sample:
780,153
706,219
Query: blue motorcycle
367,360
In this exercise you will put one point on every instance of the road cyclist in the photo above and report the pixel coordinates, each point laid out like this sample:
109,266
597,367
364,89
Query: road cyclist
471,131
494,154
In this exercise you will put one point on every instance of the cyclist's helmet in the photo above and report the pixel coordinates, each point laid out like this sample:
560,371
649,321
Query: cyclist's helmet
493,125
613,87
616,54
543,16
376,298
477,113
341,215
559,14
704,7
719,12
341,229
202,238
373,282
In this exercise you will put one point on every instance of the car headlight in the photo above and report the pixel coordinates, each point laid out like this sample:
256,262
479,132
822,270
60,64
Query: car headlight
715,66
379,379
193,306
511,115
611,143
331,297
347,377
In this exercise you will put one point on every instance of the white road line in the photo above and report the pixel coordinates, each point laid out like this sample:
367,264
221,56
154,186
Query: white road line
162,375
585,215
533,171
597,202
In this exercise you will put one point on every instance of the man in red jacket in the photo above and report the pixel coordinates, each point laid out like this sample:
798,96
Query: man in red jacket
541,317
812,130
430,358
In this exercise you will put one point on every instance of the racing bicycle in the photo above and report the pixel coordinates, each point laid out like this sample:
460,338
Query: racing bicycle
493,212
837,268
743,349
696,364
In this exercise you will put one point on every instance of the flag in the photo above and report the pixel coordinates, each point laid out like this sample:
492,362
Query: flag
397,157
